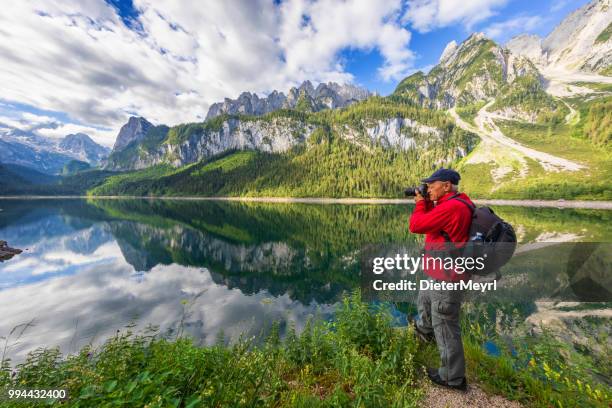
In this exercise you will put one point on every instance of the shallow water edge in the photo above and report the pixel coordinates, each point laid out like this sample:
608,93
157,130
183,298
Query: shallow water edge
596,205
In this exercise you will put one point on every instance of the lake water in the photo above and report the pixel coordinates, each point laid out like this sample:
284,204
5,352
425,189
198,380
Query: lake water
92,267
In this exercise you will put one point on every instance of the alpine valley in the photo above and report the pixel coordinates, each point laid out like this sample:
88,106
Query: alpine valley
528,119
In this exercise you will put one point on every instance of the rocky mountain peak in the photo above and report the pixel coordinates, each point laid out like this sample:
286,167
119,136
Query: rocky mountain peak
135,129
449,52
308,88
578,43
475,37
349,91
473,71
325,96
76,138
83,148
528,45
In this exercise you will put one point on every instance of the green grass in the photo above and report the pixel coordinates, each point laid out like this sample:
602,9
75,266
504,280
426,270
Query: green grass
585,306
596,86
607,71
476,179
469,112
358,359
557,139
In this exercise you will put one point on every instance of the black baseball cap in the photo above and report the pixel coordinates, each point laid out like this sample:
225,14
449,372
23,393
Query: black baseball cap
443,175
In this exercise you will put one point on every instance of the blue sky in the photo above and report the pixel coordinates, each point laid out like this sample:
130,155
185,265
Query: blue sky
429,46
78,66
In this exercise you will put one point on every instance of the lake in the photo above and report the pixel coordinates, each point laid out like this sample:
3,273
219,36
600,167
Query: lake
212,268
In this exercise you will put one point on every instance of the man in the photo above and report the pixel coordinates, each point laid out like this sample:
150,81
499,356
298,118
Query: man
448,220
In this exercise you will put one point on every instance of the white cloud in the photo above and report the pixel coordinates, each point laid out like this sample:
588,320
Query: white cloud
558,5
26,121
425,15
43,125
102,136
505,29
311,44
79,58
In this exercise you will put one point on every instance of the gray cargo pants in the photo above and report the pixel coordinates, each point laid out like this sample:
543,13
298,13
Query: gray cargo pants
439,313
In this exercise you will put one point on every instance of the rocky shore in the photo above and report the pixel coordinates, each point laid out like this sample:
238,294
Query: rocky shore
6,252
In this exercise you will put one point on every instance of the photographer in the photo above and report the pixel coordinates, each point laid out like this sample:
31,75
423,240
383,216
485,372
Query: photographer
445,222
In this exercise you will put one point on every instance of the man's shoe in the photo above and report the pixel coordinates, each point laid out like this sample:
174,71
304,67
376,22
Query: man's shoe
433,375
424,337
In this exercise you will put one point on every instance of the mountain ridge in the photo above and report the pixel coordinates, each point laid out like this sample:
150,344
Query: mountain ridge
84,148
305,97
48,155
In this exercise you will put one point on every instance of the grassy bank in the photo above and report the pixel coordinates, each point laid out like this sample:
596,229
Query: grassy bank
359,359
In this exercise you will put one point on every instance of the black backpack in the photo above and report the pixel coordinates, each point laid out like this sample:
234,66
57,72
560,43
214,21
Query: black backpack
490,237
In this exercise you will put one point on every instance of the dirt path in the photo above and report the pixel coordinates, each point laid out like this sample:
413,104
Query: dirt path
573,116
490,134
474,397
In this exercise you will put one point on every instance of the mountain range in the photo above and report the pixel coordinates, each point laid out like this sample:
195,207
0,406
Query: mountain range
305,97
518,119
48,155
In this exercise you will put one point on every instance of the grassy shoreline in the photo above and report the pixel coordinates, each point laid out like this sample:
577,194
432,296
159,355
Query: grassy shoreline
358,359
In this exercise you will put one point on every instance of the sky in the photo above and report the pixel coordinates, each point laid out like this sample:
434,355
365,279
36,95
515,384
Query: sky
86,66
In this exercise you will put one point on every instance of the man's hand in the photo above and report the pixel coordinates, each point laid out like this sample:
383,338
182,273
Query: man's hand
418,197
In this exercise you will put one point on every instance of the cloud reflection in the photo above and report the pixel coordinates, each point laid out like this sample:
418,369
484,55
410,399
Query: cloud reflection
78,298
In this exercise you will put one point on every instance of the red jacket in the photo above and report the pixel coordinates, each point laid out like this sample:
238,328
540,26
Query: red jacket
450,216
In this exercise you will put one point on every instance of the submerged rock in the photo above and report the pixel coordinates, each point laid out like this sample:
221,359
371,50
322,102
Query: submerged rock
6,252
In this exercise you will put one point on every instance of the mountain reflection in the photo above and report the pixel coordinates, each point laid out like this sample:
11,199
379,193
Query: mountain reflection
92,267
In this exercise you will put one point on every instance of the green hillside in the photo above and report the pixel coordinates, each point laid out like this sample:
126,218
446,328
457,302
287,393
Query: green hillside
585,139
154,136
527,95
328,167
327,164
75,166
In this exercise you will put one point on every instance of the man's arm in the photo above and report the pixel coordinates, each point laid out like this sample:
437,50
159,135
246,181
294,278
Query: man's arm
428,219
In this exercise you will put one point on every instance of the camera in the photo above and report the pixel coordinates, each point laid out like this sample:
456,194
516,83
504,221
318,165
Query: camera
412,191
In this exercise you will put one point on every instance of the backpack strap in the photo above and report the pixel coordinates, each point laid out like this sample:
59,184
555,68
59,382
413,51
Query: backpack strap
472,208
